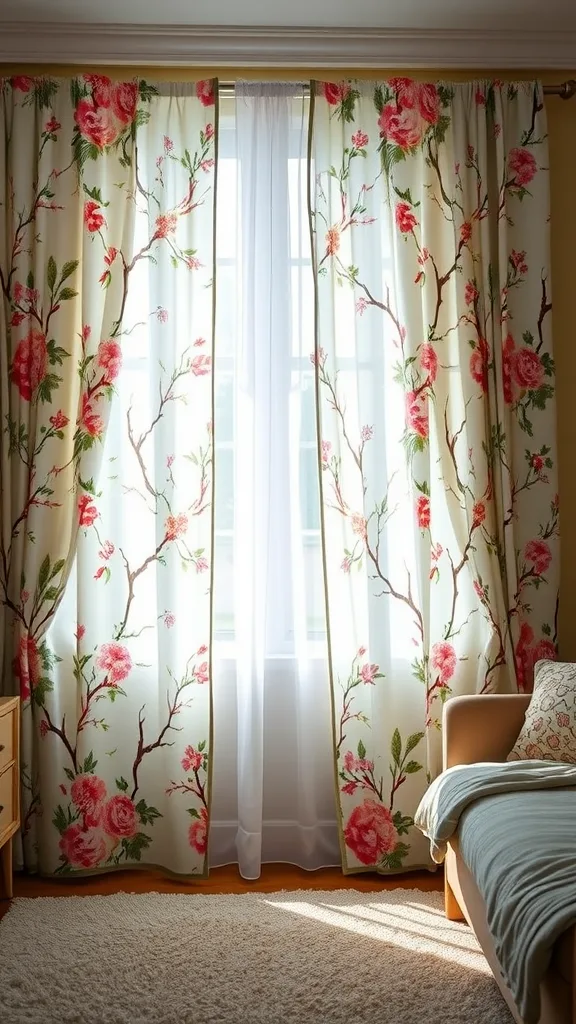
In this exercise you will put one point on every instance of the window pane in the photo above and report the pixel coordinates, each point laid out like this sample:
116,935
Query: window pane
309,496
224,505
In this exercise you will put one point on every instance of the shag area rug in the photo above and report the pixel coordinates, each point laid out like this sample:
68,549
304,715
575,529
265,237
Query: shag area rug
307,957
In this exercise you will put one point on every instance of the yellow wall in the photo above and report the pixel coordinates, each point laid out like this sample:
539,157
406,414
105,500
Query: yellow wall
562,139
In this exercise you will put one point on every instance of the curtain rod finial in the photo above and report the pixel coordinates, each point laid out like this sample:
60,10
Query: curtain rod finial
568,89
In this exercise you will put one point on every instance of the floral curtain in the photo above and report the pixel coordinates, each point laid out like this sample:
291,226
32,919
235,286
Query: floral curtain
435,386
106,229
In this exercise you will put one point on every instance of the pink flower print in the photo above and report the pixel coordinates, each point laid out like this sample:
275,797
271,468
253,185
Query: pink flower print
405,219
429,361
201,365
527,369
110,359
168,144
80,631
24,596
480,98
82,848
402,126
349,788
508,350
368,673
176,526
553,741
198,833
470,293
478,514
367,433
361,652
318,359
100,572
205,92
335,92
443,659
201,673
110,256
201,564
359,525
360,139
115,661
88,792
466,231
479,590
124,101
52,125
537,462
87,512
107,550
119,817
423,511
429,102
16,319
545,650
169,619
346,564
538,552
199,342
357,764
417,412
326,449
59,420
192,262
169,461
209,132
563,720
30,364
479,363
166,225
332,240
361,306
201,650
534,752
93,219
162,315
44,728
518,261
370,832
406,90
192,759
90,420
522,166
206,165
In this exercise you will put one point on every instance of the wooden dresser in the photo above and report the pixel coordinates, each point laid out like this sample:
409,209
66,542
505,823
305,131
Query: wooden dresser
9,787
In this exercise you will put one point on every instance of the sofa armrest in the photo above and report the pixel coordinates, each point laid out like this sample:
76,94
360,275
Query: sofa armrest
481,727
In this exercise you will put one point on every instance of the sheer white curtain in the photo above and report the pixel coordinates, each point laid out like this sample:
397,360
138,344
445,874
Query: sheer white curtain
273,795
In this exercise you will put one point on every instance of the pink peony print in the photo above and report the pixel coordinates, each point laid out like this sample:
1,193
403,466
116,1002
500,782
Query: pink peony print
192,759
88,792
522,166
402,126
406,90
26,666
114,659
23,83
166,224
429,361
417,412
443,659
359,525
87,512
405,219
423,511
335,92
96,123
198,833
538,552
124,101
470,293
205,92
527,369
466,232
101,89
119,817
368,673
110,359
176,526
82,848
545,650
518,261
370,832
30,363
479,363
201,564
429,102
169,619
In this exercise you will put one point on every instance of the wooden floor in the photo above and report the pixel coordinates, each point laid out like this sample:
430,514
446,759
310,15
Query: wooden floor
222,880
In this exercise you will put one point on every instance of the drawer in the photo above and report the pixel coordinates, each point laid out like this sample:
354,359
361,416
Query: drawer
7,790
7,736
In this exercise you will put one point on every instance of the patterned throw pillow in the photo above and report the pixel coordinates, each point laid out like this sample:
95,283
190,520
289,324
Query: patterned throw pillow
549,730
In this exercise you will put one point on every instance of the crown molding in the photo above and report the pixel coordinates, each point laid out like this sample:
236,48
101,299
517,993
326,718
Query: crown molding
221,47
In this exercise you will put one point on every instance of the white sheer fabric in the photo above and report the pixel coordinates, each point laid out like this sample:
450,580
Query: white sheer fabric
273,796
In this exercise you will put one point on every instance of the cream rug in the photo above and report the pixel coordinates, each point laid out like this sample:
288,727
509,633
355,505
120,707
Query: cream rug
342,957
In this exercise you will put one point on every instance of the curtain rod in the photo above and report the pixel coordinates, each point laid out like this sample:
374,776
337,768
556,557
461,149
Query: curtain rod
566,90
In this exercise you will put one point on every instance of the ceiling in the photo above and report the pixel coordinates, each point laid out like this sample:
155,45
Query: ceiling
525,15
